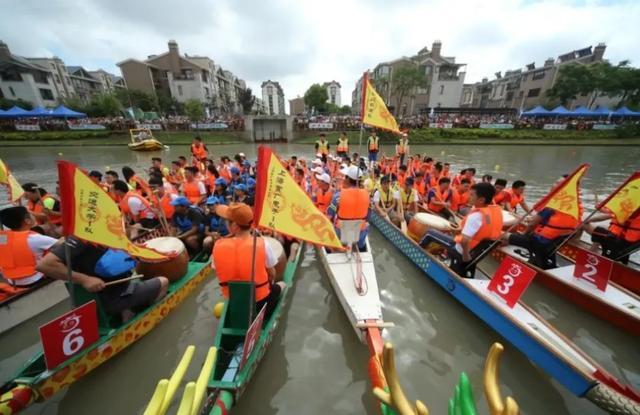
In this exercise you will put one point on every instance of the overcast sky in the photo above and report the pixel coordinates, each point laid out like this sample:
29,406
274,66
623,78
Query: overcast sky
301,42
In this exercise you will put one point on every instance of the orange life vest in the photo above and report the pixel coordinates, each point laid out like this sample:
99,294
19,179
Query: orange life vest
17,261
459,200
433,181
140,185
629,231
559,224
373,143
323,147
343,145
354,204
514,199
323,199
191,191
37,208
491,227
421,187
401,179
440,197
124,206
402,147
230,256
198,151
501,197
165,204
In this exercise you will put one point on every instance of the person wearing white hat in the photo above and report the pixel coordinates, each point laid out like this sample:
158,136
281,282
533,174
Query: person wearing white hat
317,162
324,193
351,203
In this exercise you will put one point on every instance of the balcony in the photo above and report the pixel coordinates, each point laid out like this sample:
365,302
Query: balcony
184,78
447,77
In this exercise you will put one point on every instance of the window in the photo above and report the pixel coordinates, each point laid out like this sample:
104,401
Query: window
46,94
270,90
502,90
180,90
1,93
12,91
40,77
441,90
57,79
533,93
538,75
428,70
11,75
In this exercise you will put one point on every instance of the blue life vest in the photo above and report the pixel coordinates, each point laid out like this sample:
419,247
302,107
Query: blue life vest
113,264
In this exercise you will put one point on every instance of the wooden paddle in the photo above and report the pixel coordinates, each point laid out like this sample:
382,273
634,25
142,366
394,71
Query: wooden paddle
133,277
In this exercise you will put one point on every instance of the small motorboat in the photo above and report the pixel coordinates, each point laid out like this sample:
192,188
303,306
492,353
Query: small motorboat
143,140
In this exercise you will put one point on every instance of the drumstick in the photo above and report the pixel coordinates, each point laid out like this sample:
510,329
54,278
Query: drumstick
133,277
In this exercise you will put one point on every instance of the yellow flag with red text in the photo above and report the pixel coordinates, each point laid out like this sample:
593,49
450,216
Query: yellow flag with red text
14,190
374,111
89,213
565,196
625,200
283,206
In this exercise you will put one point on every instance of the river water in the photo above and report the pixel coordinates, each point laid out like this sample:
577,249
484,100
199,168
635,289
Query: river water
316,365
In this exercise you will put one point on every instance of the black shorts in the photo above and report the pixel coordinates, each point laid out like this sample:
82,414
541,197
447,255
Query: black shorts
612,246
135,296
271,301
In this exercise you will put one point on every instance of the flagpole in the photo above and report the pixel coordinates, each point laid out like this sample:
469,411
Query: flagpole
252,303
360,139
586,220
67,258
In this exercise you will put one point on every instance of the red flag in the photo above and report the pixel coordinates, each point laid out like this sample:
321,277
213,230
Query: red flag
565,196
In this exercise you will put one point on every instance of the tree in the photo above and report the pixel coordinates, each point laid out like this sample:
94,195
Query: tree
246,99
405,80
137,99
194,110
169,105
331,108
104,105
573,79
345,110
6,104
316,97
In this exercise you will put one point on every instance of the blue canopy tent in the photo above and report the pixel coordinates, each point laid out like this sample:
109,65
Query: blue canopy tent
15,112
64,112
602,111
538,111
560,111
583,111
625,112
40,112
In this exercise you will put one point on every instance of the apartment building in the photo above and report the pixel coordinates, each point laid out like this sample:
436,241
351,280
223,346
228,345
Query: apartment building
333,92
444,80
185,77
296,106
526,87
273,96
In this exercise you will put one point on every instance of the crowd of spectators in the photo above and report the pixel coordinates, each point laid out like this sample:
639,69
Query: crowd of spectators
338,122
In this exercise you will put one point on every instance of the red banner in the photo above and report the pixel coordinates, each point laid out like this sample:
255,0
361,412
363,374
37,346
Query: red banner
69,334
511,280
253,334
593,268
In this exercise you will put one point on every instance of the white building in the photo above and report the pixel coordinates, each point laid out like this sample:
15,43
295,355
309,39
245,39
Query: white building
21,79
61,79
333,93
273,97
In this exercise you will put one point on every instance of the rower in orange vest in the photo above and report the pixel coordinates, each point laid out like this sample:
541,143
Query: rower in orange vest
161,199
460,197
192,188
324,193
232,258
21,248
618,241
44,207
481,227
402,175
516,196
439,198
435,176
135,183
502,197
351,203
136,208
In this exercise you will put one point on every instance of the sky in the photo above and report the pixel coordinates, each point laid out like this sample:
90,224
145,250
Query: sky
299,43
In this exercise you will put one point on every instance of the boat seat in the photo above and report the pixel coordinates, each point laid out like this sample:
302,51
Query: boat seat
238,309
81,296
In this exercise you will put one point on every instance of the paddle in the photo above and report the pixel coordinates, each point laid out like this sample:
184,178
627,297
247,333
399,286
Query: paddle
116,282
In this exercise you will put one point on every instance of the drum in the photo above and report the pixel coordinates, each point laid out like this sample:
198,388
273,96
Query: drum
278,250
422,222
174,268
508,219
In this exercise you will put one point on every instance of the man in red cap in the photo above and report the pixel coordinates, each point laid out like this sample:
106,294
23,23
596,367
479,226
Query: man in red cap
232,258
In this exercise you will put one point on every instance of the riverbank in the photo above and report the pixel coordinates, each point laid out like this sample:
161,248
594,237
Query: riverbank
109,138
465,136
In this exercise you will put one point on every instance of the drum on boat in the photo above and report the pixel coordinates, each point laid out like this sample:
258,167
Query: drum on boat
278,250
422,222
508,219
174,268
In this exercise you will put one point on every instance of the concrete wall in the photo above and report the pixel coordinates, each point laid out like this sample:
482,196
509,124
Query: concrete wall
138,76
264,127
191,89
29,90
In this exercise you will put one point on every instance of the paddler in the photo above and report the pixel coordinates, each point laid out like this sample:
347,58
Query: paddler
516,196
439,198
157,163
134,182
241,194
446,170
176,176
460,197
373,147
351,203
322,147
402,148
136,208
409,199
220,189
93,265
619,240
372,182
215,227
502,197
21,248
324,193
188,223
44,207
546,231
342,149
192,188
233,258
385,201
481,227
161,199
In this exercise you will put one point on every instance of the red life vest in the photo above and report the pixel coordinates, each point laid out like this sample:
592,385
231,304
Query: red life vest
124,207
230,259
514,199
559,224
198,151
629,231
165,204
491,227
502,197
354,204
191,191
459,200
440,197
17,261
323,199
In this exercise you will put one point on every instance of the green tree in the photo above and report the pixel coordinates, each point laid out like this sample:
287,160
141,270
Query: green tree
104,105
194,110
331,108
246,99
74,103
345,110
169,105
573,79
405,80
6,104
316,97
137,99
